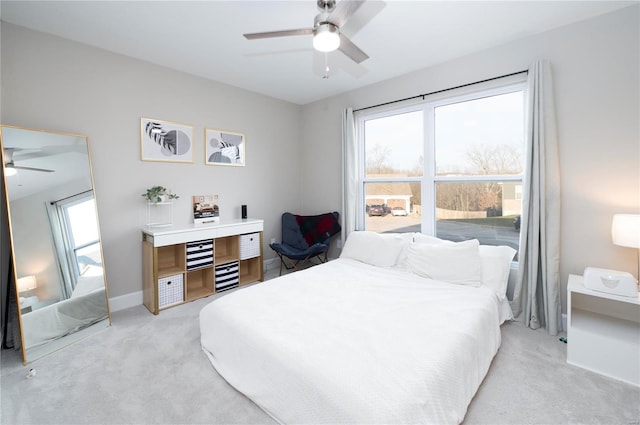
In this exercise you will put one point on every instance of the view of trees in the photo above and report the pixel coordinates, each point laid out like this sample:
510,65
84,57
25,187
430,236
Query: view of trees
486,196
499,159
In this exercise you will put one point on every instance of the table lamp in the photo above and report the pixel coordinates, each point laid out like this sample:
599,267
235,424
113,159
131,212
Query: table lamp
26,284
625,231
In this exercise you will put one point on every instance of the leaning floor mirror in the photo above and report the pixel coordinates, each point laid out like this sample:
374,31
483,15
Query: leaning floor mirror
60,284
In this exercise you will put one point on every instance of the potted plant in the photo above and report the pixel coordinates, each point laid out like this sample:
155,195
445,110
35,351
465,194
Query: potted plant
157,194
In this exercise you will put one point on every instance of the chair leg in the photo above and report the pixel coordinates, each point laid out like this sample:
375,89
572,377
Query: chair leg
283,262
297,265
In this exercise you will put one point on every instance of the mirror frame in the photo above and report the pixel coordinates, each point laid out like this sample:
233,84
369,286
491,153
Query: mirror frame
13,266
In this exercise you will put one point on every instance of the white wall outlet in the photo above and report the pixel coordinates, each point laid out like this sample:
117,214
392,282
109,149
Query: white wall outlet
273,240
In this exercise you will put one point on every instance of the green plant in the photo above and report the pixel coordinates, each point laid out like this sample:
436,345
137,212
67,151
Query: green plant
156,194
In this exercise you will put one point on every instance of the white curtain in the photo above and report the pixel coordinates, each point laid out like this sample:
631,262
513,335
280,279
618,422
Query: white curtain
64,263
349,173
536,298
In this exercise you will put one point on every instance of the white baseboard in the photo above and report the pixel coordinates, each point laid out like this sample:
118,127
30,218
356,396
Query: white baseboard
135,298
125,301
271,263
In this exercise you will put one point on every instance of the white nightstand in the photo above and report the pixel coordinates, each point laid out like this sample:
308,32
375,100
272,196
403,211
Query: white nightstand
603,332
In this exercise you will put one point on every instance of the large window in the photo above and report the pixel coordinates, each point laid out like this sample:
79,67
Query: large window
81,228
452,167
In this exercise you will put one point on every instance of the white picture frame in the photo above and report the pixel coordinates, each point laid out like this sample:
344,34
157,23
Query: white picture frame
224,147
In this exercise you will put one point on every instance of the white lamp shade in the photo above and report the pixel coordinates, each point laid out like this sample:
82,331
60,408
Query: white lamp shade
326,38
625,230
27,283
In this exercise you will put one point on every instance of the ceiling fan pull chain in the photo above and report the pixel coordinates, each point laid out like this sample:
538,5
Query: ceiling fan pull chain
326,66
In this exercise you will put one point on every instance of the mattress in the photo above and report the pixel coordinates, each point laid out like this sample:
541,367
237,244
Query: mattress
348,342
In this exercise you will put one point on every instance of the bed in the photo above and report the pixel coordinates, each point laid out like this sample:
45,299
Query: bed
86,306
366,338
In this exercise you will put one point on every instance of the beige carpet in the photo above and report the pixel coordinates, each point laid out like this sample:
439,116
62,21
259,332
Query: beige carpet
148,369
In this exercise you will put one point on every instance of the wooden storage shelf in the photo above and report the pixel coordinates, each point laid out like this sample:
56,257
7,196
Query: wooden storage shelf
164,254
250,270
226,249
199,283
171,259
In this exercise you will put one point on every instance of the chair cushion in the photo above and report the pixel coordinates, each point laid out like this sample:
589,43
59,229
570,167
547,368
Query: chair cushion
296,253
318,228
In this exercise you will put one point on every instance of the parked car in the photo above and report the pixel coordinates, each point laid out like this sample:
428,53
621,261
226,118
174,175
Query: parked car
376,210
516,223
398,211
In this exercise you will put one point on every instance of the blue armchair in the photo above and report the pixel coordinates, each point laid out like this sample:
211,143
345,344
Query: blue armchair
305,238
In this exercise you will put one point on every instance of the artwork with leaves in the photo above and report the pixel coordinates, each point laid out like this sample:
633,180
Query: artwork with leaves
165,141
224,147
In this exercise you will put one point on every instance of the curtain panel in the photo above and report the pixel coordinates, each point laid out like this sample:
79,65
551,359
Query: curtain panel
536,299
349,173
60,242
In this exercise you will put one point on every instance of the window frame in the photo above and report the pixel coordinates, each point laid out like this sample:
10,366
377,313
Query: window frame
429,179
63,207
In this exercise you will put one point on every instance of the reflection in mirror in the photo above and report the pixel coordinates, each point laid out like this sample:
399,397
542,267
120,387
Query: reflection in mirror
55,238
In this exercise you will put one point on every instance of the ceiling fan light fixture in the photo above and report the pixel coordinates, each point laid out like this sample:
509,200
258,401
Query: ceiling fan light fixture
326,38
10,171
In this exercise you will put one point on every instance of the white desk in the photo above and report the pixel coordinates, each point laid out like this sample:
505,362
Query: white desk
603,332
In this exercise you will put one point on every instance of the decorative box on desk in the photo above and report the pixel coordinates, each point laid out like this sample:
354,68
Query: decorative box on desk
603,332
191,256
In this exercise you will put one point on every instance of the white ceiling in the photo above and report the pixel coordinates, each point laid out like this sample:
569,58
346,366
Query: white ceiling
205,38
64,154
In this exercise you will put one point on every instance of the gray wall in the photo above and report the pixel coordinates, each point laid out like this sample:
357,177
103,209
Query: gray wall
54,84
294,152
596,79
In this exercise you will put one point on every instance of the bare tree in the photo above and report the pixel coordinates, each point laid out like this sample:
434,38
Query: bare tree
484,160
494,159
377,159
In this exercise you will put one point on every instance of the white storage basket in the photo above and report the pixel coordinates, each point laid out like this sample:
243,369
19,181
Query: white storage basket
249,246
170,290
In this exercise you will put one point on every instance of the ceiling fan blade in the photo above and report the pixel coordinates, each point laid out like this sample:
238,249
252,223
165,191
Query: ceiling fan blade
343,11
285,33
351,50
17,167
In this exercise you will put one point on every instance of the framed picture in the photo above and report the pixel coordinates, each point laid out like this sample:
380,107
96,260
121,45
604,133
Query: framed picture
165,141
224,147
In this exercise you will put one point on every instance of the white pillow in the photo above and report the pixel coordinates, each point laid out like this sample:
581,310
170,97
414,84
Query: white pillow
496,265
450,262
407,239
422,238
373,248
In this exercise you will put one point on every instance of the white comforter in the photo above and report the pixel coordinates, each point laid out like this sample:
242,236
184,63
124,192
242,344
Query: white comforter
346,342
65,317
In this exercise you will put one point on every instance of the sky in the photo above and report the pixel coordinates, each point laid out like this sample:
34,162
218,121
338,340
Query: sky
486,121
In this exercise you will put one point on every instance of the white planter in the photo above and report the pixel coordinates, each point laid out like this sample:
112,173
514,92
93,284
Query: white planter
159,214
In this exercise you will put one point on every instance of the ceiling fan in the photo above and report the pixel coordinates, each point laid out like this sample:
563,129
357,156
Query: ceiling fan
326,29
11,169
